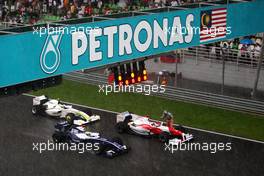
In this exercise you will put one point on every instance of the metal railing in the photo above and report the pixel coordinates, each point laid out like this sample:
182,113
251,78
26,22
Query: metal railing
215,54
186,95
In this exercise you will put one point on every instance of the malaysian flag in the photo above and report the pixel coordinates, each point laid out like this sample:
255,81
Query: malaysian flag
213,24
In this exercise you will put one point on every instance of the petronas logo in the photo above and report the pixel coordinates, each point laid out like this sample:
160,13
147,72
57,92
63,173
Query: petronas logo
50,56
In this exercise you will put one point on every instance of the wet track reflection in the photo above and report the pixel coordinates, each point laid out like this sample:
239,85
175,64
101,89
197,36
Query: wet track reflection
19,129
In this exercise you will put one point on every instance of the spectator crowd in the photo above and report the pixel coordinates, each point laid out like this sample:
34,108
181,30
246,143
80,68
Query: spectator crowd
36,11
246,49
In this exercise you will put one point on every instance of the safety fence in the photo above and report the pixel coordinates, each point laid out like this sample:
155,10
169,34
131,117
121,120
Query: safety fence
186,95
217,54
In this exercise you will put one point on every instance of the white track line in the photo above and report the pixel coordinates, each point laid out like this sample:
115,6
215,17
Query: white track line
192,128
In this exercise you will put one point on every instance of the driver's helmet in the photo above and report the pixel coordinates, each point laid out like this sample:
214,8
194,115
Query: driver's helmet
167,115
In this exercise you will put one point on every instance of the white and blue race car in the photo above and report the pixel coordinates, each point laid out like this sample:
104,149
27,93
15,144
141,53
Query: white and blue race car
42,105
71,133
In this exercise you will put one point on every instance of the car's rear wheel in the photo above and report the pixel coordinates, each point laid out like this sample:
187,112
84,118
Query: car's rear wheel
164,137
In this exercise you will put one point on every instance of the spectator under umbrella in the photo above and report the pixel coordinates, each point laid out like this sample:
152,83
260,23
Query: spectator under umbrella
247,41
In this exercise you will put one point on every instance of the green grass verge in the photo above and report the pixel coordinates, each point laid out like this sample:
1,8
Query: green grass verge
215,119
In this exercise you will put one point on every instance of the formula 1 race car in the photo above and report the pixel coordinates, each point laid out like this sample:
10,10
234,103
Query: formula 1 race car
42,105
71,133
144,126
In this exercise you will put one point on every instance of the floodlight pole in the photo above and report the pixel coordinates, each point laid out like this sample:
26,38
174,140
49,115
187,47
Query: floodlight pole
223,71
177,52
254,91
176,74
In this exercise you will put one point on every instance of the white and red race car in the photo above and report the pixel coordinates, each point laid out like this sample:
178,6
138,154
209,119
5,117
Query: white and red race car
42,105
132,123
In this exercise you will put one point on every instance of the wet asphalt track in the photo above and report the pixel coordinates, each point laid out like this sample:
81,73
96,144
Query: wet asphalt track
19,129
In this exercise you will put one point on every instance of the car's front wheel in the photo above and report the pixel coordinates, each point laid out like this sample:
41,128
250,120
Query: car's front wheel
181,128
121,127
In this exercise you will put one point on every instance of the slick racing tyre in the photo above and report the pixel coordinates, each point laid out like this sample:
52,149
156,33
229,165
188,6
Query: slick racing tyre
89,113
121,127
164,137
128,119
181,128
